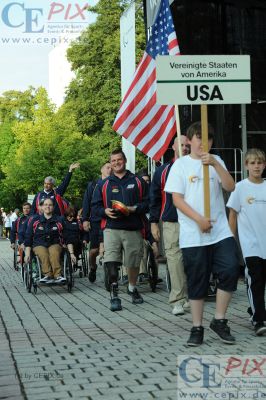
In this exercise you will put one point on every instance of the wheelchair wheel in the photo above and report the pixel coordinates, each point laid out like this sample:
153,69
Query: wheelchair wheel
168,280
106,277
22,268
15,258
68,271
84,261
212,289
28,278
36,272
152,269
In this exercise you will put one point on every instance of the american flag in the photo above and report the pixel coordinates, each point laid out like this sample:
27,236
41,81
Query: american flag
147,125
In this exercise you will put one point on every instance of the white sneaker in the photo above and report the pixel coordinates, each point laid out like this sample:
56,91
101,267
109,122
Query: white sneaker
186,306
46,279
60,279
178,309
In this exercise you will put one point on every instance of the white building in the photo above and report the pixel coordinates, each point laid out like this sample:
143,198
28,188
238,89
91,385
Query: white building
60,74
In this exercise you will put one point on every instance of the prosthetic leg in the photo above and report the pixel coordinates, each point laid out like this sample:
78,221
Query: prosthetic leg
112,268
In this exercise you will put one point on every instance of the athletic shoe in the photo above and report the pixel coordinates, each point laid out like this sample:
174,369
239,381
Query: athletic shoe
136,297
46,279
124,280
178,309
219,326
115,304
186,306
196,336
60,279
143,278
92,275
260,328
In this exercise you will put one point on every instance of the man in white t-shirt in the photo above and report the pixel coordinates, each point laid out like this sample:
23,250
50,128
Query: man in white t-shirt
247,215
207,244
14,216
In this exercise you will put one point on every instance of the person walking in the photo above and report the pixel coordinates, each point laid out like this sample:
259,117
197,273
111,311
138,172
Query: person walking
162,208
123,241
247,206
207,244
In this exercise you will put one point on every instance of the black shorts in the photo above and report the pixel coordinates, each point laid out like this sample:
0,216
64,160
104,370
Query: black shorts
95,235
220,258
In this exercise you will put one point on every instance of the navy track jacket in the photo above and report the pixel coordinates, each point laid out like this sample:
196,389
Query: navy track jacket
130,190
44,232
88,213
60,190
161,203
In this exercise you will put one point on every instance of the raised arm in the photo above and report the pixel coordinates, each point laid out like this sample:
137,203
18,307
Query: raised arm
61,189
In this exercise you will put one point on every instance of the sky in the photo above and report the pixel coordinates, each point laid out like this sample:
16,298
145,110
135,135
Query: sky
29,29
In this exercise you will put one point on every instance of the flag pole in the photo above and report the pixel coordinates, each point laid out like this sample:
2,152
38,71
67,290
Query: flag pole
178,130
206,179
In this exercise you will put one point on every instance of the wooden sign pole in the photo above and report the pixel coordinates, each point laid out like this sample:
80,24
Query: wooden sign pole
178,130
206,179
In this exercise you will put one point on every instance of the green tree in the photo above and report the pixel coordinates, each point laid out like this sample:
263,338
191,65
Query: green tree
95,93
17,105
46,145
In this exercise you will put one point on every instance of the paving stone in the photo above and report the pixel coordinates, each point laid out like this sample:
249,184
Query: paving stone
59,345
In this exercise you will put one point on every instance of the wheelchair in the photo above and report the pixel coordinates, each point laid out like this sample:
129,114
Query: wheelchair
16,256
152,268
82,265
212,289
32,273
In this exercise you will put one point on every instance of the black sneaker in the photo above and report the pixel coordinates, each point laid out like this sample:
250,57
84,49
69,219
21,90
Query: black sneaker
136,297
219,326
115,300
92,275
143,278
260,328
124,280
196,336
115,304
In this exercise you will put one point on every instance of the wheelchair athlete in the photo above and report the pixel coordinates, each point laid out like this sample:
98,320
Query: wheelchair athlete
44,236
73,233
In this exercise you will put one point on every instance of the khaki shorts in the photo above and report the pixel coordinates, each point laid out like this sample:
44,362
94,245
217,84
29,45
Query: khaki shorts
123,246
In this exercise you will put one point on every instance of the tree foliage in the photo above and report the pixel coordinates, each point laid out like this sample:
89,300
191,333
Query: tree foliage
45,145
95,93
17,105
37,140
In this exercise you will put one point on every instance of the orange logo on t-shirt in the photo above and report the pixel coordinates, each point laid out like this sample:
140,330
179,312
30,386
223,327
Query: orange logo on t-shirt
193,178
250,200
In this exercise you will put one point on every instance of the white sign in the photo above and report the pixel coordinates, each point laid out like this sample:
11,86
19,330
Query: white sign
203,79
128,66
30,198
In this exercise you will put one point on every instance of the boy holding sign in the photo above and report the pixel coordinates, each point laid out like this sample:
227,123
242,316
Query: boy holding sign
207,244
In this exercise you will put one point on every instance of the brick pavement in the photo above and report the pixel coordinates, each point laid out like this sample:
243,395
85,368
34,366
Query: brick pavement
60,345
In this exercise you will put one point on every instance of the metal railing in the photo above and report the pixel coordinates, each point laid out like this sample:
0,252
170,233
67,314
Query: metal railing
235,153
238,171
